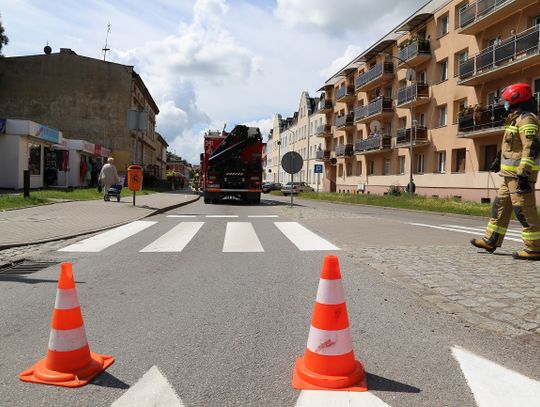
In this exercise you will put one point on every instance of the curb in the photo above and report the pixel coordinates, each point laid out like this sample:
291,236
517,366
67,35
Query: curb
55,239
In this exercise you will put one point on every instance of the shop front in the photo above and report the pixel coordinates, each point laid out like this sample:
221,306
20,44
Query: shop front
26,145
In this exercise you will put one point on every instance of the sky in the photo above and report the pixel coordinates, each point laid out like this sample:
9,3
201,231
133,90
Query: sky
208,63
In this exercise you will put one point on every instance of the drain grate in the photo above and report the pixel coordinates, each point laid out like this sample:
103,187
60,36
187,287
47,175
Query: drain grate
27,266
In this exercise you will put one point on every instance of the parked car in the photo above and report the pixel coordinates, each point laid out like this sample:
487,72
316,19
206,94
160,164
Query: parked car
296,187
270,186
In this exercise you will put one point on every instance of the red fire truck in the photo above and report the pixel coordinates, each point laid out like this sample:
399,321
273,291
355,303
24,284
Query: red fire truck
232,165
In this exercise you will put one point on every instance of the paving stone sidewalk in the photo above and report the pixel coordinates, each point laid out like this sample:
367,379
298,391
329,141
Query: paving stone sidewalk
66,219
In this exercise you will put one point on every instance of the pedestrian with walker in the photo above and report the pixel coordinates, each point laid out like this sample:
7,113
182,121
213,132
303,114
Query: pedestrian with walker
108,177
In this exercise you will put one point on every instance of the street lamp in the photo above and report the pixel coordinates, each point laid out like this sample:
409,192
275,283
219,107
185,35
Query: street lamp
411,76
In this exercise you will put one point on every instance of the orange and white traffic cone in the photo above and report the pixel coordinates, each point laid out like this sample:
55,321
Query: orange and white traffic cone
69,362
328,362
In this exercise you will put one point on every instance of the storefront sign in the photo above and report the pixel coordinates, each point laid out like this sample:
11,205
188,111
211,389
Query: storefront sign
97,150
88,147
81,145
106,152
46,133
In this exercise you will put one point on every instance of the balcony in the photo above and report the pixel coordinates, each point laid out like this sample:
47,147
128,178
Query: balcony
476,17
344,150
472,124
325,106
417,94
403,137
377,109
375,77
323,130
497,61
345,122
322,155
415,53
373,144
345,94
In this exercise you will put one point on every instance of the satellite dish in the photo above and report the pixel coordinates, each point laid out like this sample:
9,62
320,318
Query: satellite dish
333,161
411,74
375,126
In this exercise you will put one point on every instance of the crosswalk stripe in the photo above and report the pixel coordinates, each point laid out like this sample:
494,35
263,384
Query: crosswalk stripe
240,237
510,232
176,239
221,216
181,216
456,230
304,238
263,216
103,240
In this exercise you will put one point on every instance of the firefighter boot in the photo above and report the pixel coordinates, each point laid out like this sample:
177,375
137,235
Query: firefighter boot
526,254
482,244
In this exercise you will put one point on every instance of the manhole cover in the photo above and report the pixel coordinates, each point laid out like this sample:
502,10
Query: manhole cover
27,267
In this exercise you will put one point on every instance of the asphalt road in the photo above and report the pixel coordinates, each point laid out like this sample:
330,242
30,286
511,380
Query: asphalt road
224,328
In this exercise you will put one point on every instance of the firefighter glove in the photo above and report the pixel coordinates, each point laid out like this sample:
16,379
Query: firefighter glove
496,164
524,186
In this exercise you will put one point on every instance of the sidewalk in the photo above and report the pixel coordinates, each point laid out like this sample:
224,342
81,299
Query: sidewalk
63,220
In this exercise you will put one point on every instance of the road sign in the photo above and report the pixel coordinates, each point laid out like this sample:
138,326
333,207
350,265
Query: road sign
292,162
317,168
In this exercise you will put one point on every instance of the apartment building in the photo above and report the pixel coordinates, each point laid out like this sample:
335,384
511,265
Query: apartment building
431,86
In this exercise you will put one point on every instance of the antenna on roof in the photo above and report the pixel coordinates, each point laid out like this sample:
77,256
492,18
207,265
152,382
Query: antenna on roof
105,49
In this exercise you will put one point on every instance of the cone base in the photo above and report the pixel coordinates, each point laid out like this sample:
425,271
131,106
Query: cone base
305,379
39,373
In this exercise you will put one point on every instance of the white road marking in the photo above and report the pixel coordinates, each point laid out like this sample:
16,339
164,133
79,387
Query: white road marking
263,216
494,385
152,389
304,238
103,240
181,216
457,230
323,398
240,237
176,239
221,216
510,232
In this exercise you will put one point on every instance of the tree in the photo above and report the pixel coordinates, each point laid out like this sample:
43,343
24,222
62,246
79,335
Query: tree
4,40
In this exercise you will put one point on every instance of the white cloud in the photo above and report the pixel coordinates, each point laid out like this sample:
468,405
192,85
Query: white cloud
264,125
350,53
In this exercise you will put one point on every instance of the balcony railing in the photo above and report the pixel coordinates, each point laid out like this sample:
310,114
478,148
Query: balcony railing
412,93
404,135
375,142
511,49
414,49
345,121
325,105
378,106
478,120
379,70
345,91
477,10
344,150
322,154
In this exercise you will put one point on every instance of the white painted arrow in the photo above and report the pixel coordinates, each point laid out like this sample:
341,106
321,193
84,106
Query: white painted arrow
494,385
152,389
323,398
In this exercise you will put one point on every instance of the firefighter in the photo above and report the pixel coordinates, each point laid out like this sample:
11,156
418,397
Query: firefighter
518,164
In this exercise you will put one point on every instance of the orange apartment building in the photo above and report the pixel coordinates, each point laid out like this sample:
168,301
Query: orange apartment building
444,66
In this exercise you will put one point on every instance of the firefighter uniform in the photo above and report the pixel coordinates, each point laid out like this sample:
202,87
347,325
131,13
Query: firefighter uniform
519,157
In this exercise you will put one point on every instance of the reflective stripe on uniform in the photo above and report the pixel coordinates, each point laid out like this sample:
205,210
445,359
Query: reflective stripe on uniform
496,229
529,127
535,165
512,128
509,164
530,235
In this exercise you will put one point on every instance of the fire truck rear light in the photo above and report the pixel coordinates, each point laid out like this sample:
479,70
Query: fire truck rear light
254,178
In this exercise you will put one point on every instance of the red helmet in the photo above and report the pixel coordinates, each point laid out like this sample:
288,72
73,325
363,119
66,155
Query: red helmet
518,92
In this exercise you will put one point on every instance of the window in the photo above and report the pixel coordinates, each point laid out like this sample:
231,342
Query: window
349,169
444,25
401,159
403,122
536,86
422,120
340,170
459,160
358,168
460,58
386,168
371,167
443,115
420,163
441,162
536,21
34,159
421,77
443,70
490,154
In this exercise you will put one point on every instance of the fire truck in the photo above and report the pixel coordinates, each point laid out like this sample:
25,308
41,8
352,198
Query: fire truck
232,165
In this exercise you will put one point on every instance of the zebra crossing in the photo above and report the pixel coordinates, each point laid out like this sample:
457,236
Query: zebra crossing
238,237
513,235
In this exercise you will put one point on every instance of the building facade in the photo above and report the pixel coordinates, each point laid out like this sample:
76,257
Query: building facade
85,98
431,86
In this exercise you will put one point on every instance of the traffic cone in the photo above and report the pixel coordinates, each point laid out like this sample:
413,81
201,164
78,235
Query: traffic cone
69,362
328,362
